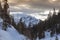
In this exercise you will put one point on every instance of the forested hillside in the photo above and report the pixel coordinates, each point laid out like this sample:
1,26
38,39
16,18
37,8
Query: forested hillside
29,26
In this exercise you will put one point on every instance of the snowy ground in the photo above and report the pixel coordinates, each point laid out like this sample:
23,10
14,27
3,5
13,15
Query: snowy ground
12,34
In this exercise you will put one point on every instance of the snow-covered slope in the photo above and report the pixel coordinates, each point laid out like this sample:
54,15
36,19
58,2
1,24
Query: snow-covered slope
11,34
28,20
1,22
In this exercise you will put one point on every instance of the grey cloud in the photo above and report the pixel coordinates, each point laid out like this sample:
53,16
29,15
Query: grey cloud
40,4
12,9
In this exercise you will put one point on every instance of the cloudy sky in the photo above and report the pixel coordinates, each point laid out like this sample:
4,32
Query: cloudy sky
33,6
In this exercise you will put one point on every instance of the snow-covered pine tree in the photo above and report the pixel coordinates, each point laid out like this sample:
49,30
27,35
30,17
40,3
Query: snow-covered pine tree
5,15
56,38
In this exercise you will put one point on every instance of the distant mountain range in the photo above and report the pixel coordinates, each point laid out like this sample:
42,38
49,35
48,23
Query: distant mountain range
28,20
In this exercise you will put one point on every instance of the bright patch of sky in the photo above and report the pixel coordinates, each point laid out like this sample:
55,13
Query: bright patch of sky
36,15
41,15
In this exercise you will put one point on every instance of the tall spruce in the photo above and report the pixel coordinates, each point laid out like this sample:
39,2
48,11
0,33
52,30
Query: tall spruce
56,38
5,15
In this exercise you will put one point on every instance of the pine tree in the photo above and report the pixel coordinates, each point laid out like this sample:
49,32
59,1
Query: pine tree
5,15
56,38
49,15
0,10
